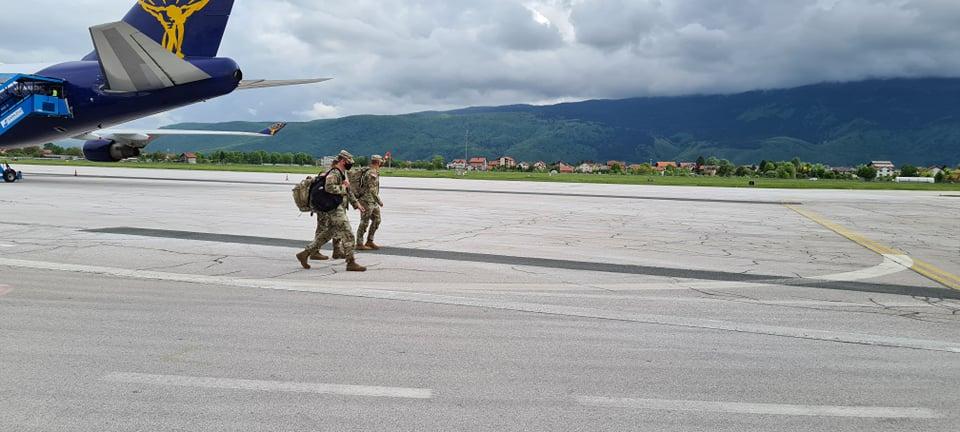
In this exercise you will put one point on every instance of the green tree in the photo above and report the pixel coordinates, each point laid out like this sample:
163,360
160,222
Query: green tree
866,172
725,168
787,171
908,170
438,162
796,164
701,161
818,170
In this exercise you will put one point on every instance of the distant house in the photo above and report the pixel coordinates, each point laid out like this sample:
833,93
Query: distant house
586,168
621,164
662,166
709,170
525,166
327,161
884,168
687,165
564,168
540,166
506,162
478,164
188,158
492,165
457,164
844,171
934,170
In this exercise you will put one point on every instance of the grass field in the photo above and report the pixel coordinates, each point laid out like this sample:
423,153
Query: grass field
538,177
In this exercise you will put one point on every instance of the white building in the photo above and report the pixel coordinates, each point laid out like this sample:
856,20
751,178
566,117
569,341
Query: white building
884,168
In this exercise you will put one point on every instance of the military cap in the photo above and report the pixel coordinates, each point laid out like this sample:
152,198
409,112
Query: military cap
376,158
346,155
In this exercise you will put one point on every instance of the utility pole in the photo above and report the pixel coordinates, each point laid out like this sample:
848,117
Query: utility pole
466,151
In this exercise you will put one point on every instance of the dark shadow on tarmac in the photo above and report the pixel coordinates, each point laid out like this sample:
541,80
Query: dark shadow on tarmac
709,275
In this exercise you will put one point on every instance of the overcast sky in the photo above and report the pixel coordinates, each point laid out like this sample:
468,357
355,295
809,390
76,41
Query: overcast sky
403,56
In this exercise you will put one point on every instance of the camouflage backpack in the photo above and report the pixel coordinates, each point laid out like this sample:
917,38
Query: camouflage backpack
301,194
357,185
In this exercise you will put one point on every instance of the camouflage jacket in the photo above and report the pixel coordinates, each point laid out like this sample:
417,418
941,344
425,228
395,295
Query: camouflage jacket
370,187
334,185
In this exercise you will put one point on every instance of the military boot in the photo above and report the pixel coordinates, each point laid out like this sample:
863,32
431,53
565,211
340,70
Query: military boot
361,246
319,257
303,258
352,266
337,250
371,245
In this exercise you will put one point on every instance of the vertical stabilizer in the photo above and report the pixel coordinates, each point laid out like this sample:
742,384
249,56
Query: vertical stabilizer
186,28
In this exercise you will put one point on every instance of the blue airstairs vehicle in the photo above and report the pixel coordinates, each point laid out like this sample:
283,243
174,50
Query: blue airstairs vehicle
23,96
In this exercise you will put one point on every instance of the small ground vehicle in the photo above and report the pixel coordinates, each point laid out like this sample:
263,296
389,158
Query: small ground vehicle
10,175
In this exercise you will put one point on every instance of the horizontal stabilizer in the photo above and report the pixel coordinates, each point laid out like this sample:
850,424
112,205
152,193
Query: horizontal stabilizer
261,83
133,62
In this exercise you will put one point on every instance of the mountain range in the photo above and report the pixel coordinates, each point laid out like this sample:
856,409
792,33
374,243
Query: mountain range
913,121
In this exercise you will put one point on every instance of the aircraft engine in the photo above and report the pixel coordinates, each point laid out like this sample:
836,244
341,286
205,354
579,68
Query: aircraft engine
108,151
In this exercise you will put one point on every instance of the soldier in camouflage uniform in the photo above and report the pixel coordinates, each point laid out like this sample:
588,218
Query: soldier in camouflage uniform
369,195
335,223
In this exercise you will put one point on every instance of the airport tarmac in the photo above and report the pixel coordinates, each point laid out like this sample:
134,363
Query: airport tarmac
171,300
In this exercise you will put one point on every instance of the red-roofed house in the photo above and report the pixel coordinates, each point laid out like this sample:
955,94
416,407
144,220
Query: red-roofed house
188,158
662,166
478,163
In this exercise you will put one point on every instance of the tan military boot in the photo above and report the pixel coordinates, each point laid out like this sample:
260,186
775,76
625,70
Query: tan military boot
352,266
371,245
361,246
319,257
303,257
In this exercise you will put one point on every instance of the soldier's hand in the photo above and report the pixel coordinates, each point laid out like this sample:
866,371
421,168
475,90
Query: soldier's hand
361,208
346,183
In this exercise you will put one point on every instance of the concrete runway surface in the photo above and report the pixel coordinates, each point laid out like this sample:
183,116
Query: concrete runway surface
136,300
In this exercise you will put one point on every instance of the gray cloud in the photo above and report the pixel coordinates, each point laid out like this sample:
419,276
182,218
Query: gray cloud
393,57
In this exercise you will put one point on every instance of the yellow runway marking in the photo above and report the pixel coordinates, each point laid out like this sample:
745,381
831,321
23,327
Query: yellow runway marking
922,268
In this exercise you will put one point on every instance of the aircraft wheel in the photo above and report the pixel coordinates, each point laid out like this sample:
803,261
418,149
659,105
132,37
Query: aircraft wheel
10,176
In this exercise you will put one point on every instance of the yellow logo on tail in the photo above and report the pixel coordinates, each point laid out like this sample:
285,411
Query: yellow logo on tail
173,16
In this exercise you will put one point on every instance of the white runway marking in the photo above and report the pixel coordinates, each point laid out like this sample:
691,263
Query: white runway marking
760,408
4,245
644,298
574,311
891,264
269,386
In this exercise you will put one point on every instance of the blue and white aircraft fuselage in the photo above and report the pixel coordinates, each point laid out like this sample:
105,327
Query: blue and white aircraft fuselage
162,56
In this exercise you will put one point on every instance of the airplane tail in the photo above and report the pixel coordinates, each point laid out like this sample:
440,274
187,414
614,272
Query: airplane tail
187,28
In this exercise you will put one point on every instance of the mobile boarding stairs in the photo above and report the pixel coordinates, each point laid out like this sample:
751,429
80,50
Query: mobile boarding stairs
23,96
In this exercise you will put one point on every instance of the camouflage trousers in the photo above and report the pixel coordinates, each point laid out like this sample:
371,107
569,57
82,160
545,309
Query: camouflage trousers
333,225
369,218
